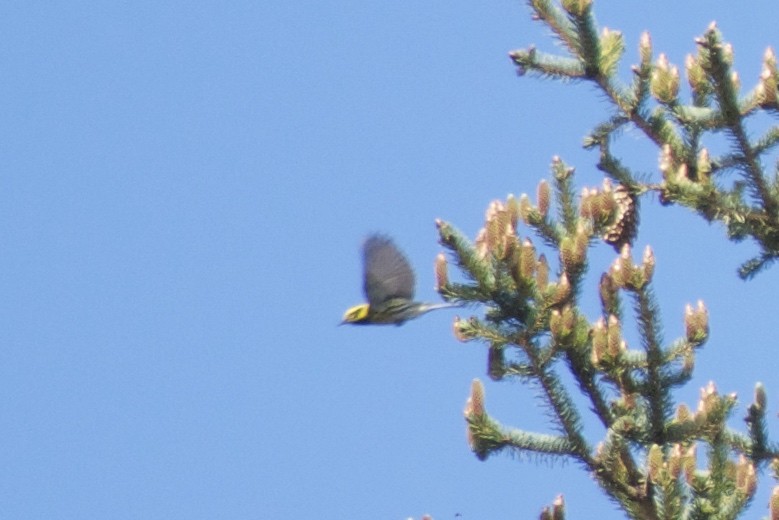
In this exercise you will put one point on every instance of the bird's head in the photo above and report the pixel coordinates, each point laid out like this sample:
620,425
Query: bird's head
356,315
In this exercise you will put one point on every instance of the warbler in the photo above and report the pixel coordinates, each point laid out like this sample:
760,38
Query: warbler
388,284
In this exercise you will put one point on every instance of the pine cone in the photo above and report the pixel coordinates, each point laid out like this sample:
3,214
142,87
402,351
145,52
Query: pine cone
623,230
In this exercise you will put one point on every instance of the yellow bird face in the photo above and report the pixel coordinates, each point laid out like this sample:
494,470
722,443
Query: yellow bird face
356,314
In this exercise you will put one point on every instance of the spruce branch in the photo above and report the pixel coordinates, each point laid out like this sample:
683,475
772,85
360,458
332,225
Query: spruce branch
532,322
534,328
653,103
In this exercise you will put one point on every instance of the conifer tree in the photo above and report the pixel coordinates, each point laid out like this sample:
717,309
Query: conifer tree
526,268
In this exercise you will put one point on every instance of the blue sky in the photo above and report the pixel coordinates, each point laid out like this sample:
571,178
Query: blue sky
184,187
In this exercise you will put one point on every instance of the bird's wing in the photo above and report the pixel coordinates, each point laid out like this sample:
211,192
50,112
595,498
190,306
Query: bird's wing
387,273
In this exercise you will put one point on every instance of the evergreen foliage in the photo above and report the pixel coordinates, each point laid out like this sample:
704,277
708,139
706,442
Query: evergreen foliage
533,326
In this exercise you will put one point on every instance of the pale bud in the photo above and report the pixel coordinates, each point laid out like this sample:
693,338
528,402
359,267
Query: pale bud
558,508
769,58
648,264
696,323
746,477
708,400
664,83
728,53
481,244
690,463
600,337
769,77
614,337
569,318
476,398
611,46
704,165
623,267
608,293
576,7
683,413
525,208
528,262
568,254
654,462
556,324
563,289
735,80
767,89
760,396
441,272
773,504
666,160
544,196
585,204
618,274
512,206
645,47
676,461
463,329
696,76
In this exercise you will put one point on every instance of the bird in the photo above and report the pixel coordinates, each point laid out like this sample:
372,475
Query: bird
388,284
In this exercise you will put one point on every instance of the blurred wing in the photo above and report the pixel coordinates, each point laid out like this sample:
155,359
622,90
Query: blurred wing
387,272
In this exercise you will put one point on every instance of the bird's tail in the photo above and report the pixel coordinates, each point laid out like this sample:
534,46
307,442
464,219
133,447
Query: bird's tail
427,307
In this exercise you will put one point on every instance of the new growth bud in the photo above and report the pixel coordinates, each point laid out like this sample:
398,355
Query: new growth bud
704,166
683,413
600,336
561,323
622,269
736,81
708,402
558,508
664,83
696,76
475,404
768,80
528,259
474,411
760,397
464,330
556,324
563,289
544,196
773,504
608,294
666,162
614,336
611,48
525,208
571,261
645,47
728,53
690,461
654,462
746,476
441,273
542,273
499,234
676,461
576,7
512,206
648,264
696,324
